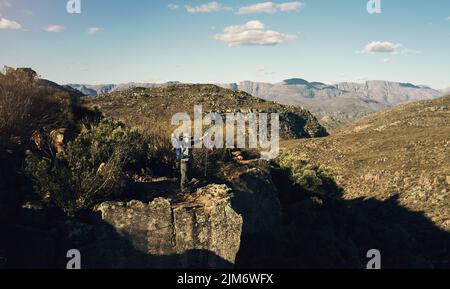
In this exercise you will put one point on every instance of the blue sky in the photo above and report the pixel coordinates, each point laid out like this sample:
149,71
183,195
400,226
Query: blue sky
115,41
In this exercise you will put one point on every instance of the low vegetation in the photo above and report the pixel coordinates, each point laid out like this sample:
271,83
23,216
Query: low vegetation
399,152
27,106
364,187
93,167
312,178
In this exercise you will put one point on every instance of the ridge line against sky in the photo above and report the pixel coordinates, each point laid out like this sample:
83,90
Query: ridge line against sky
243,81
224,41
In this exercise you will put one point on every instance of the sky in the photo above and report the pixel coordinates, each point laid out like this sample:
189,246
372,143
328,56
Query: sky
119,41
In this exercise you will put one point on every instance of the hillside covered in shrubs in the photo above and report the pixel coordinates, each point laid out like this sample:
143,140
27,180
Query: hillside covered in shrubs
99,174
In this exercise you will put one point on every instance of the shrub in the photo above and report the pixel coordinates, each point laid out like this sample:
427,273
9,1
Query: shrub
26,106
161,155
93,167
309,177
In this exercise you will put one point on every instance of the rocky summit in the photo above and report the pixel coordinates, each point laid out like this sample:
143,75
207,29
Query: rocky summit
202,227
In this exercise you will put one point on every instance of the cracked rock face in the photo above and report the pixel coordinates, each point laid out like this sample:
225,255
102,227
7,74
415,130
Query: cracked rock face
201,229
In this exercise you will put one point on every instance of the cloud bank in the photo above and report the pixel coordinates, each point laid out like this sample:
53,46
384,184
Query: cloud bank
381,47
9,24
252,33
270,8
54,28
207,8
388,47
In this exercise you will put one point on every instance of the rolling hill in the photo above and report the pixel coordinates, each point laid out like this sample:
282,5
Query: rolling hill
152,108
401,152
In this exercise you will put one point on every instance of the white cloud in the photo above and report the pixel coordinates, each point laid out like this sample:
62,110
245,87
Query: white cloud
251,33
387,60
9,24
382,47
290,6
388,47
54,28
266,7
93,30
270,7
173,6
207,8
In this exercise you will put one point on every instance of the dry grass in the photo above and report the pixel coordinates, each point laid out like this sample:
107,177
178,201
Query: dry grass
403,151
27,106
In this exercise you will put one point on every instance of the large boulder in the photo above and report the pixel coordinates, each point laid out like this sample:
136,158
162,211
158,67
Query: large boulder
198,230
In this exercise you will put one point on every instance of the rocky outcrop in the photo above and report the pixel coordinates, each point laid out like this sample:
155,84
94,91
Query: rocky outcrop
203,223
204,229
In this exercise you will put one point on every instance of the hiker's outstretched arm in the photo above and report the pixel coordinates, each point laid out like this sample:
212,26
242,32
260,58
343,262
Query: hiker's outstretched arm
201,139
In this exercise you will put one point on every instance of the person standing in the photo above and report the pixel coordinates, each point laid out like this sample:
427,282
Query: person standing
183,156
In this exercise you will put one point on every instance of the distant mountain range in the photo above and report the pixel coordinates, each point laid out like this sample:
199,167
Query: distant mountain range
93,90
333,104
338,102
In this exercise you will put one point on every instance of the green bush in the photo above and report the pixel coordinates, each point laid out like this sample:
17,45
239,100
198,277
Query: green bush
309,177
92,168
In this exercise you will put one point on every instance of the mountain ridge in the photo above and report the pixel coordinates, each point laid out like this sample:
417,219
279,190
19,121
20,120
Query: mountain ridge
339,103
111,87
333,104
98,89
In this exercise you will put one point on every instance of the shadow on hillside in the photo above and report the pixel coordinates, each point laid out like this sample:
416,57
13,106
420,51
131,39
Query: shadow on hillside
101,247
330,232
317,231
